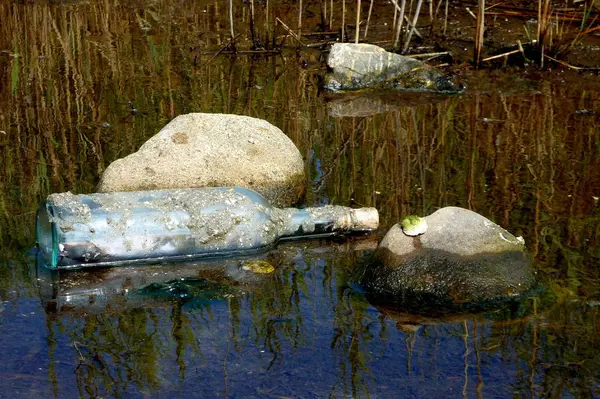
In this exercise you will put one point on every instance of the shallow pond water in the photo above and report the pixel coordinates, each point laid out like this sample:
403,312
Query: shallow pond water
86,83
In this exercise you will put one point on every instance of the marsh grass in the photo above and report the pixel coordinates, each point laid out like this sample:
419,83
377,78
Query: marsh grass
558,31
556,36
478,47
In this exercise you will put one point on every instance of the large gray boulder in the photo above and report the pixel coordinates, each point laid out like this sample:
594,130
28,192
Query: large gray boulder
211,150
461,258
362,66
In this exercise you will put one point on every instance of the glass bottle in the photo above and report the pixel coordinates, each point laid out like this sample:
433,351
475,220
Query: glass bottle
76,231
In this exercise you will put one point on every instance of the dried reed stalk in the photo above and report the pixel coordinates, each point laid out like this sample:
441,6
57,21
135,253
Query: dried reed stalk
300,19
493,57
479,33
231,18
291,32
434,11
544,15
571,66
252,28
431,11
445,17
356,36
343,21
267,19
395,18
400,8
413,26
368,19
331,15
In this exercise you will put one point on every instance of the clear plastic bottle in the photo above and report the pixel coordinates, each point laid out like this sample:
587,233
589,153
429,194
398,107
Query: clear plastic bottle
75,231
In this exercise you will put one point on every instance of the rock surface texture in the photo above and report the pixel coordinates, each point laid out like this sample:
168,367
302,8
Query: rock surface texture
212,150
362,66
462,258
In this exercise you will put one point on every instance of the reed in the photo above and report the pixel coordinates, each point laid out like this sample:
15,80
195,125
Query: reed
267,25
430,12
368,19
445,18
323,24
413,26
357,34
331,15
395,18
343,38
560,30
231,31
253,35
480,29
300,10
544,22
401,9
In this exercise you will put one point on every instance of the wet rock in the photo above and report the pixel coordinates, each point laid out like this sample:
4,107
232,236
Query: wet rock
212,150
462,258
361,66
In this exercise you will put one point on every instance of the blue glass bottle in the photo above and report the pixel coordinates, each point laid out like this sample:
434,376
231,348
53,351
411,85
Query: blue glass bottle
75,231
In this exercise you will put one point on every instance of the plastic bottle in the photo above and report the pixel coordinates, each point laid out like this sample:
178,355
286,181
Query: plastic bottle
75,231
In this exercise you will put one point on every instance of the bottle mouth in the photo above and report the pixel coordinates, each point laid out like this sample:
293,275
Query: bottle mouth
365,219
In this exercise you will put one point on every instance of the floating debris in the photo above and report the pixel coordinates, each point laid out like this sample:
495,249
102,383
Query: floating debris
259,266
413,225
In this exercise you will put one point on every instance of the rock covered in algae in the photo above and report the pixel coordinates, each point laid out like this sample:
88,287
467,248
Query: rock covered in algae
361,66
212,150
462,258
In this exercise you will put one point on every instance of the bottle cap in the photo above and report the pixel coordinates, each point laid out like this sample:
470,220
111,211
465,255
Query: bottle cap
365,219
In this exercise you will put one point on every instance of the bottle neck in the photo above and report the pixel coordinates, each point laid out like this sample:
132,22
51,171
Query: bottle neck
325,220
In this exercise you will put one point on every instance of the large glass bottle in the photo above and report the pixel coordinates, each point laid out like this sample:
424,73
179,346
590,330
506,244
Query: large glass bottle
75,231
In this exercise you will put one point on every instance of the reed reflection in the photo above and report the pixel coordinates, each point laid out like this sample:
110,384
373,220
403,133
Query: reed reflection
128,327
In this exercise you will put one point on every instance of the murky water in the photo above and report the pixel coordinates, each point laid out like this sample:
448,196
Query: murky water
87,83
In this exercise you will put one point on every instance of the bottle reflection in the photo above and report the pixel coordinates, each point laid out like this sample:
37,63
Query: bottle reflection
141,323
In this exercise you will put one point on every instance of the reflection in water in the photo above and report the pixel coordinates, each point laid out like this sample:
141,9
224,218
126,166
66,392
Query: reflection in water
365,104
86,83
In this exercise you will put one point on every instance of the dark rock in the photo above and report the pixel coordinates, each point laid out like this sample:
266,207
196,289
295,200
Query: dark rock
462,259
